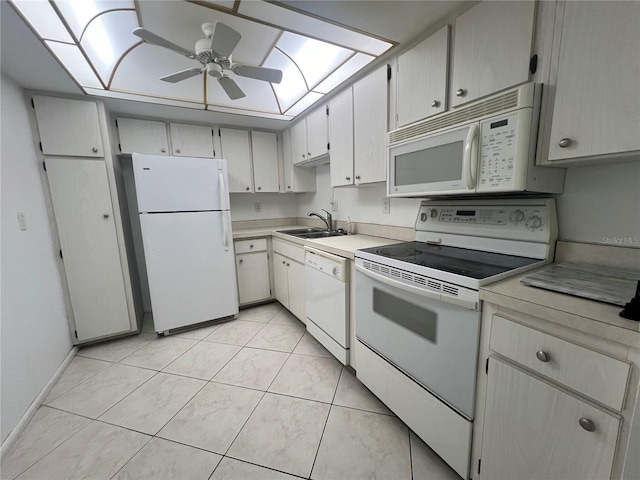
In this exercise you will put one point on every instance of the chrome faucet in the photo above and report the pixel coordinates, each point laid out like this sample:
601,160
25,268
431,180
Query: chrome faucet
327,221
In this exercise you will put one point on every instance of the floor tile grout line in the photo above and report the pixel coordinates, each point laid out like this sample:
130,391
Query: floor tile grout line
261,466
78,384
127,355
324,428
131,458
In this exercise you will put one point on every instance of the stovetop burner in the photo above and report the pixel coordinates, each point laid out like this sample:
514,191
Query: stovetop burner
461,261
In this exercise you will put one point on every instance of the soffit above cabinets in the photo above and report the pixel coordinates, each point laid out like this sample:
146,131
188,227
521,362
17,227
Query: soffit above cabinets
93,41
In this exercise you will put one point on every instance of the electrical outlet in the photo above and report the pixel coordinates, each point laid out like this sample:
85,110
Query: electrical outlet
258,207
334,206
386,205
22,221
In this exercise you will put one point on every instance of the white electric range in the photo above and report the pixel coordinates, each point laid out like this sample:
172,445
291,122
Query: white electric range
418,311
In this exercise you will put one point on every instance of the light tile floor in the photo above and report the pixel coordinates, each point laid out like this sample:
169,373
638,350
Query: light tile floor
253,398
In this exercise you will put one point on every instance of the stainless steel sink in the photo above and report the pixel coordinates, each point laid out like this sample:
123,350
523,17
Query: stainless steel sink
320,235
297,232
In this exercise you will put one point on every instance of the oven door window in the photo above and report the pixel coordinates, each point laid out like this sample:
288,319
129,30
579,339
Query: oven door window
420,320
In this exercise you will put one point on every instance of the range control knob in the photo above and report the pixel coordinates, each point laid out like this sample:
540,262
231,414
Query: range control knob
516,216
423,217
534,222
433,213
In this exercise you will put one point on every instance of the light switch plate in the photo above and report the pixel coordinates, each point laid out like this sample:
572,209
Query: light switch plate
334,206
258,207
22,220
386,205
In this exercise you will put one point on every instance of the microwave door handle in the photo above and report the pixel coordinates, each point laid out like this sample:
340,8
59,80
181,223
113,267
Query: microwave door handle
471,305
467,166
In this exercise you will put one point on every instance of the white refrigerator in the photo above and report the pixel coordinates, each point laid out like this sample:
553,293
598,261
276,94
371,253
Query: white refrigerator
185,220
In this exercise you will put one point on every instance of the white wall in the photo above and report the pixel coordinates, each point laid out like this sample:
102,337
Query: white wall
600,204
272,205
34,330
362,204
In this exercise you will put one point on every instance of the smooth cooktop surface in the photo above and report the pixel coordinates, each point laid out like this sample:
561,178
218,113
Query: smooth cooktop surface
460,261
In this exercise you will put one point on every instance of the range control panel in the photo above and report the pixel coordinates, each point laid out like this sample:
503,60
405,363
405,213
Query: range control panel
497,152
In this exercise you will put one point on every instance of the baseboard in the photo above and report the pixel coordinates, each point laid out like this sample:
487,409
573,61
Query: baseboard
28,415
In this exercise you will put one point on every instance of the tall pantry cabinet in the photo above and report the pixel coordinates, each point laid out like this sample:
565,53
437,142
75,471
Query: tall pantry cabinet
102,301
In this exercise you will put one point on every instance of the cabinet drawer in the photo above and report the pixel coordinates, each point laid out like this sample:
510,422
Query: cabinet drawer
255,245
289,250
593,374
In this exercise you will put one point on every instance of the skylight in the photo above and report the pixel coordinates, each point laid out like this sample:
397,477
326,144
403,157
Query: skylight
92,40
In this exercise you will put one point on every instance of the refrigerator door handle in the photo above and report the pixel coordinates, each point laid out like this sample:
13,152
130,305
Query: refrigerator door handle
221,191
225,233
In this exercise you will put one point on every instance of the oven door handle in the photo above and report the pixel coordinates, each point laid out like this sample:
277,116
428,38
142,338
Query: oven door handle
469,304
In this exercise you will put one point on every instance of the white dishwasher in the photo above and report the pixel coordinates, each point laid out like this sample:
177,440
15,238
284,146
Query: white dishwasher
327,292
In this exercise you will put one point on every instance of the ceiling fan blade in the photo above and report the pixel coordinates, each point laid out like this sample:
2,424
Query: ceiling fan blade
231,87
259,73
181,75
154,39
224,40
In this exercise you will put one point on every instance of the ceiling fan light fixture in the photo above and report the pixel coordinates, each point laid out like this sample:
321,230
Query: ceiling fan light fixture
214,70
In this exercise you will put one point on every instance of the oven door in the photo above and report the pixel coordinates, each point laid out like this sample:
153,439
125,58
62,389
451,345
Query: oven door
441,164
432,340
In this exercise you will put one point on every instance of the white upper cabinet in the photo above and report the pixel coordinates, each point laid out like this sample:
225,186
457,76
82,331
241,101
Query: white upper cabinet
596,107
143,136
236,149
68,127
264,146
491,49
296,179
341,138
422,79
317,137
370,119
299,142
191,140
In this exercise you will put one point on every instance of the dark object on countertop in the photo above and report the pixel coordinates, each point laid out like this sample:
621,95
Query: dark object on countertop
632,309
341,230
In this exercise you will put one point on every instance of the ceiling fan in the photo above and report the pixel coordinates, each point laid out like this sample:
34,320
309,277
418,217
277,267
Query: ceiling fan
214,53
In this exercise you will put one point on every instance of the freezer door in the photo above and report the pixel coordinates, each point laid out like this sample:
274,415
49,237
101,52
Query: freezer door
180,184
191,267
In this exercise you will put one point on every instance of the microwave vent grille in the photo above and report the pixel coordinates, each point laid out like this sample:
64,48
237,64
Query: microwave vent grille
507,101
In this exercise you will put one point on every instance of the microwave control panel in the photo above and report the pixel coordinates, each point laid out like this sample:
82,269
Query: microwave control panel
497,153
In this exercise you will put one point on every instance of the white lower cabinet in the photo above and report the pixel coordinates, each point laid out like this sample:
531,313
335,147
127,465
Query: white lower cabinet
288,277
535,430
90,253
252,267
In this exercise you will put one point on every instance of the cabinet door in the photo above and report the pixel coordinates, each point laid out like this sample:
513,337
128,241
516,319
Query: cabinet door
237,151
341,138
422,78
281,278
532,430
191,140
491,49
296,179
84,215
68,127
597,102
370,101
297,299
299,142
264,147
253,277
143,136
317,137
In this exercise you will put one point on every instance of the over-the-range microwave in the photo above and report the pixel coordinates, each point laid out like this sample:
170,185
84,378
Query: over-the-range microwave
487,147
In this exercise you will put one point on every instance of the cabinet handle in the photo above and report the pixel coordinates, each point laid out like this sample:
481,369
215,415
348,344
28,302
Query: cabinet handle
289,187
106,215
94,149
309,153
163,149
587,424
357,177
259,188
240,261
564,143
543,356
348,179
303,155
287,264
461,92
248,189
283,262
435,104
250,246
177,150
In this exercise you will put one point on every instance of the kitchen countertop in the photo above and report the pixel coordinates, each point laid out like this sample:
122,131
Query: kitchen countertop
581,314
344,245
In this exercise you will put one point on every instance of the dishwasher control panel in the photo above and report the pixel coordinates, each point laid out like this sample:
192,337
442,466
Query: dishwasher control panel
334,267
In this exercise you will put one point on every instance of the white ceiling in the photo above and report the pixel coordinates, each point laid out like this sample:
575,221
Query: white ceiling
24,58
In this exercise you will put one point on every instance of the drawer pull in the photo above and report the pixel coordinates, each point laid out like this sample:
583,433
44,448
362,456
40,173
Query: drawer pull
250,246
587,424
240,261
543,356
